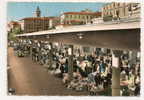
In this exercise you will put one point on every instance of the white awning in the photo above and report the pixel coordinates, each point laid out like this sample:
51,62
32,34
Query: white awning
85,28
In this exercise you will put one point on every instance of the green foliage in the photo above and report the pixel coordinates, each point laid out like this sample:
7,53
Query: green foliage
12,34
77,23
17,30
107,18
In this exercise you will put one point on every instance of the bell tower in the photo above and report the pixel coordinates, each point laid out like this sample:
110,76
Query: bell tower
38,12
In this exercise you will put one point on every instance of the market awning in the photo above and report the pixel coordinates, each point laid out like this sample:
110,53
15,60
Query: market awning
123,36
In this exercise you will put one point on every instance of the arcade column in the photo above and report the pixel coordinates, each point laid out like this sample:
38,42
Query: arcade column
70,61
116,72
51,55
31,46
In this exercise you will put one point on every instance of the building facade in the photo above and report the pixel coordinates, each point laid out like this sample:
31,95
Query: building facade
12,25
120,11
33,24
78,18
97,20
38,23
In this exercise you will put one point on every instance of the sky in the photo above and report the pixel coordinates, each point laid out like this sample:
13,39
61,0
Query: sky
19,10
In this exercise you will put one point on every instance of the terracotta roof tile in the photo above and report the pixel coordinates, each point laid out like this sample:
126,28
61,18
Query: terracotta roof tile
39,18
36,18
74,21
84,13
14,23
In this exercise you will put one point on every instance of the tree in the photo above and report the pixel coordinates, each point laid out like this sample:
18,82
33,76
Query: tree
15,31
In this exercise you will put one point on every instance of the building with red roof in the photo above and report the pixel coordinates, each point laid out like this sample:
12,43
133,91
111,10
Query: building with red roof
79,18
38,23
13,24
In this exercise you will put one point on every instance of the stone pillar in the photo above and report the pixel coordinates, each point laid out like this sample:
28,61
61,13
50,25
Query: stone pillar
116,73
132,57
31,46
31,51
115,81
70,61
80,53
51,56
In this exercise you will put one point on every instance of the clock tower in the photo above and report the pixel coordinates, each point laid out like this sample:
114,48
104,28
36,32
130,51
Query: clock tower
38,12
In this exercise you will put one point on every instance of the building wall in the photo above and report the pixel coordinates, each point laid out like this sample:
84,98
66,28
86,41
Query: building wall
54,22
114,11
12,25
77,18
97,20
35,25
38,24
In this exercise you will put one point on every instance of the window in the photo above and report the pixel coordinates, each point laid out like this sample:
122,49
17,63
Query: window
79,16
75,16
71,16
83,16
87,17
114,5
118,4
91,17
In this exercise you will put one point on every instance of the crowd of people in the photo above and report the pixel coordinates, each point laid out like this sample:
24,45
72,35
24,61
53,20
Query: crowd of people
91,72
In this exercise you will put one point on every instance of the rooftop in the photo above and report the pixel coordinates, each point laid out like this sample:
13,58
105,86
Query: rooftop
91,27
85,13
39,18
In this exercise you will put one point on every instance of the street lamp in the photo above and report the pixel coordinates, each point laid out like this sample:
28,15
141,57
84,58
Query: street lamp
69,51
80,35
47,36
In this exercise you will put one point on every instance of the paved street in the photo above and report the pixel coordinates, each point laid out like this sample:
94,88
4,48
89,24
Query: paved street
29,78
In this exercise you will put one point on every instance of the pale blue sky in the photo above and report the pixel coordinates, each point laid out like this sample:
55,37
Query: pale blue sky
19,10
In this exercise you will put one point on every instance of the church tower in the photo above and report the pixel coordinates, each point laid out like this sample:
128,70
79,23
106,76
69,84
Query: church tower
38,12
